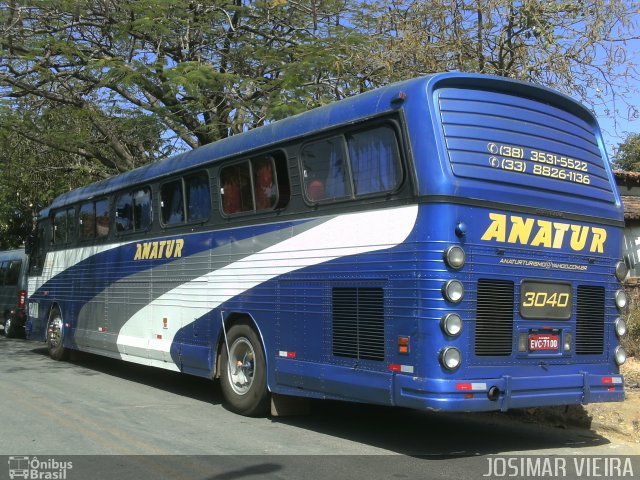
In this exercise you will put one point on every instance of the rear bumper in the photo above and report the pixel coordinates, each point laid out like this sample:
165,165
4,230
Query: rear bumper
514,392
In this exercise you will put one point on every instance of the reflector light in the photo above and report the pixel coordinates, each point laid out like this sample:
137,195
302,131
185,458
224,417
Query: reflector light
403,344
468,396
285,354
399,97
611,389
22,298
395,367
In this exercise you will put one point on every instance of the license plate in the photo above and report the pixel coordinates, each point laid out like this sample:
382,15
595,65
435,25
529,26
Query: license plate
545,341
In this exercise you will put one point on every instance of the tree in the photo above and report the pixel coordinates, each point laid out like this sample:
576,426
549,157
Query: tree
108,85
204,70
627,155
201,71
576,46
32,174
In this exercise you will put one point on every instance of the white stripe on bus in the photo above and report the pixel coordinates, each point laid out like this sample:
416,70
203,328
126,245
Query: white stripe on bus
342,236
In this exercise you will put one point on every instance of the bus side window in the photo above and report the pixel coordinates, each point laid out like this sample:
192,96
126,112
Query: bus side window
71,225
325,170
172,203
375,160
60,228
236,189
124,212
198,197
102,218
87,221
133,211
142,214
264,181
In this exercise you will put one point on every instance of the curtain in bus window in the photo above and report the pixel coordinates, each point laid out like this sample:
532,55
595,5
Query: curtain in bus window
374,160
124,213
60,228
102,218
171,203
198,197
71,224
325,174
266,191
236,189
142,209
337,179
87,221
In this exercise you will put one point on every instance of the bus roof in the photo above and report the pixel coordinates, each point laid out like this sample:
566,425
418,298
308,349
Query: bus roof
352,109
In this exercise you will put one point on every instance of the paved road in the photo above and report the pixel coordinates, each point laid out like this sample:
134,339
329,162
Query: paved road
96,406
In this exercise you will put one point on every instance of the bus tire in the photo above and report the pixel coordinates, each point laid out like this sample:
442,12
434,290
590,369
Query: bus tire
55,336
244,378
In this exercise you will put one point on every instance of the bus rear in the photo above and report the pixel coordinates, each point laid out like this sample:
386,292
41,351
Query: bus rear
520,245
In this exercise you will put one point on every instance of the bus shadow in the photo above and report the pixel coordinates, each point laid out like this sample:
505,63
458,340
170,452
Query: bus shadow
88,364
413,433
436,435
22,356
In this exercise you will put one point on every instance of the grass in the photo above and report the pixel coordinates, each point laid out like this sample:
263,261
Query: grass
631,341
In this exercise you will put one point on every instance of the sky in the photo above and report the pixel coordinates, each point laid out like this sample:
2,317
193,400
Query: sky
616,129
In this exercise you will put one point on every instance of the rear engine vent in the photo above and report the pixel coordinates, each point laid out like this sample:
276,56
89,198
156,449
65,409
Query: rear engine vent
358,323
590,321
494,318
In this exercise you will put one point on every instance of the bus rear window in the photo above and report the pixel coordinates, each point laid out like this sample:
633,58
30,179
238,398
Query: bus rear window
514,140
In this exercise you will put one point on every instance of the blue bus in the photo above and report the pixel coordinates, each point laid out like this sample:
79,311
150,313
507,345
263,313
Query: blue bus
451,242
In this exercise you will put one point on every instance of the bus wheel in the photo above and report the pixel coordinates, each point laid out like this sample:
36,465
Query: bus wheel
244,375
8,328
55,338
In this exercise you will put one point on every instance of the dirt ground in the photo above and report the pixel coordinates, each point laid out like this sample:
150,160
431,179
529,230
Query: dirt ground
611,420
620,419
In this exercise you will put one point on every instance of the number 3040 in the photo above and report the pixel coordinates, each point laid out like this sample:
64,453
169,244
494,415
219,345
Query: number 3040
544,299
